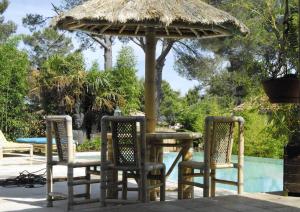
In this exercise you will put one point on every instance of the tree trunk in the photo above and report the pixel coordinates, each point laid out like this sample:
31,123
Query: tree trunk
107,52
160,63
159,93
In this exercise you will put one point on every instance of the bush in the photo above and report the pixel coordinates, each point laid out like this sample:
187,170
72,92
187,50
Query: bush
14,66
90,145
261,139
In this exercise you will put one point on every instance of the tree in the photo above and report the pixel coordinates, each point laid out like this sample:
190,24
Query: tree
172,104
124,79
100,98
100,94
34,21
193,96
14,66
43,44
60,83
6,28
166,47
87,40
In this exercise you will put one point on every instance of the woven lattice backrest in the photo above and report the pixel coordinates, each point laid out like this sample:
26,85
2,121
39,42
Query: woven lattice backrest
60,128
125,143
60,133
221,142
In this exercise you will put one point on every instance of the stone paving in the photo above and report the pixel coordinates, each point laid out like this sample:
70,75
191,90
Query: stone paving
33,199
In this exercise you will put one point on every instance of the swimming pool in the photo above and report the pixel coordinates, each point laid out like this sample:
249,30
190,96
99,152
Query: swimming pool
260,174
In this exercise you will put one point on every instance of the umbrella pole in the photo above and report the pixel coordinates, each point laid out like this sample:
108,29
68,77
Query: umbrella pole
150,77
150,93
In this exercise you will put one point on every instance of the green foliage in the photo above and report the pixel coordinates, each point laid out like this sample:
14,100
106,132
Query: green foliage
124,79
193,96
41,45
171,105
261,136
89,145
61,82
193,116
100,94
14,66
6,28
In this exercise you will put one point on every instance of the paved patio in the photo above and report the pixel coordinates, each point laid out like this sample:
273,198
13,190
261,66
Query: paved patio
33,199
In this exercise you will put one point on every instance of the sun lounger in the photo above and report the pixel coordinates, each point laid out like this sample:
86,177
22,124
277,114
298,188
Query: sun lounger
6,146
39,143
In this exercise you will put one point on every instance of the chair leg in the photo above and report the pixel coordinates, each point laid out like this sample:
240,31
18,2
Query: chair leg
240,179
103,186
192,189
213,183
31,152
163,186
206,179
1,153
180,185
49,185
143,188
88,186
70,178
124,185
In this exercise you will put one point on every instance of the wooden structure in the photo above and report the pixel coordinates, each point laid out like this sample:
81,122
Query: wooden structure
183,141
151,19
6,146
217,155
156,142
42,148
128,135
291,169
60,127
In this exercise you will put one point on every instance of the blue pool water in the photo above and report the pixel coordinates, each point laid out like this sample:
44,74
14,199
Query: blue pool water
260,174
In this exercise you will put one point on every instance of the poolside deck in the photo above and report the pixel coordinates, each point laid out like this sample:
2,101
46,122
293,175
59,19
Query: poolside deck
33,199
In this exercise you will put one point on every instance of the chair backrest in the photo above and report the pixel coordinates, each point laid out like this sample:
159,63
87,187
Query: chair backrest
2,139
61,128
219,139
128,140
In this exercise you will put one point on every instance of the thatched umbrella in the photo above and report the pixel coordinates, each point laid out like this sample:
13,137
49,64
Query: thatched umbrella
150,18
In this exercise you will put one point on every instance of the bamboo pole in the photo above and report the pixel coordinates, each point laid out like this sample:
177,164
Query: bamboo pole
299,36
241,158
150,77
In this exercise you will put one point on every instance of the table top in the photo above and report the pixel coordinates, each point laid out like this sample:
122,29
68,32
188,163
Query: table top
174,135
170,135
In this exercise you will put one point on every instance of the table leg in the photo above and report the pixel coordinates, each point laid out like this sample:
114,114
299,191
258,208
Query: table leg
188,191
154,156
112,176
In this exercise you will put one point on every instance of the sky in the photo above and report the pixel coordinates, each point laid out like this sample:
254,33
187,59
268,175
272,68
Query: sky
19,8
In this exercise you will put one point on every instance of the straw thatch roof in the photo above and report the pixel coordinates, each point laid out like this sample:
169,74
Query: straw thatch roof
169,18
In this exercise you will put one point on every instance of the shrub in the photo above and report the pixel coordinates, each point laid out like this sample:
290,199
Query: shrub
90,145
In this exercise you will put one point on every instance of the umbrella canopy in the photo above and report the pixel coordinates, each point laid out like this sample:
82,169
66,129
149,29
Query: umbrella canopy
169,18
150,18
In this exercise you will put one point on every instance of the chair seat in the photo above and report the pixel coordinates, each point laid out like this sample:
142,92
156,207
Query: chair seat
86,162
148,167
15,145
154,166
78,163
200,165
192,164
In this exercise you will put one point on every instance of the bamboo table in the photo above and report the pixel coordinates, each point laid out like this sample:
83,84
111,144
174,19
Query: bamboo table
155,141
183,141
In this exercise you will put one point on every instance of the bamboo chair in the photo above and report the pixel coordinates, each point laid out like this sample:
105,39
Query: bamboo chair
129,156
6,146
217,155
61,128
